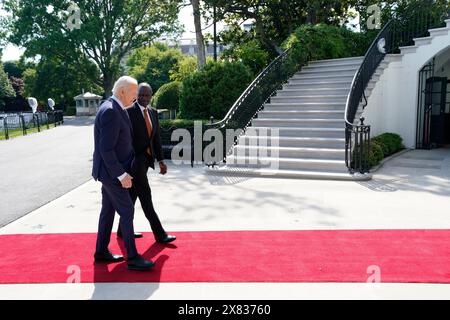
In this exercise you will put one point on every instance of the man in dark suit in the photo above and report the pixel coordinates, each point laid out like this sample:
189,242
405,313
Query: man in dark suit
113,160
148,148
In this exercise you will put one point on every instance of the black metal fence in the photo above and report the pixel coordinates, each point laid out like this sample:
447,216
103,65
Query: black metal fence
408,23
13,124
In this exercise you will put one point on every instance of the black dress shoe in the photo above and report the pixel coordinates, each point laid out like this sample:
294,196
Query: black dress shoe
107,257
139,264
137,235
166,239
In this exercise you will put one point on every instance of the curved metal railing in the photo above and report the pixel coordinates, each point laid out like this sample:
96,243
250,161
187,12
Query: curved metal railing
253,99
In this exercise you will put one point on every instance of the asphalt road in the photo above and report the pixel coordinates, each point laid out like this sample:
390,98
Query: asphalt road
41,167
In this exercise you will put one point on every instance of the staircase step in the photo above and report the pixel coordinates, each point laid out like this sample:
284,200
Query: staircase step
343,61
326,114
408,49
295,142
313,92
439,32
448,23
287,163
300,99
289,152
319,85
305,132
327,73
422,41
306,106
324,68
226,171
304,123
320,78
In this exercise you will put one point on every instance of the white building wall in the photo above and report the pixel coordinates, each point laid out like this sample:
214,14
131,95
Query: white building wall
392,105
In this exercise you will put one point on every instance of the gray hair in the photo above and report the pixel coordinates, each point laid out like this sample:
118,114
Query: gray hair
145,85
123,82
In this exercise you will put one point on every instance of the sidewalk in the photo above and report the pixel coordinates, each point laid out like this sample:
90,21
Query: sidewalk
409,192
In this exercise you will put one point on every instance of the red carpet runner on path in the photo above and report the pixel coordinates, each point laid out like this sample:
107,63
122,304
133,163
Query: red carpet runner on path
257,256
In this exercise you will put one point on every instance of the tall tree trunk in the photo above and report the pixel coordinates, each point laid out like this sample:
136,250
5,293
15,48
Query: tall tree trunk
201,54
108,84
313,8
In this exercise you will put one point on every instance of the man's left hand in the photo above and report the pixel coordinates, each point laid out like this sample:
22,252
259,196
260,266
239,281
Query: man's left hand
162,168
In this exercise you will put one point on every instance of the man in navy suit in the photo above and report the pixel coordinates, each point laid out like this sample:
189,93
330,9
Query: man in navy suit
113,160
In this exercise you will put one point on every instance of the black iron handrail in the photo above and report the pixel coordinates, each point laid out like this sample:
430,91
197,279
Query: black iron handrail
400,31
233,113
253,99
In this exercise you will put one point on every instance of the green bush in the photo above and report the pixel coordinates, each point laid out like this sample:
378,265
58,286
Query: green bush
381,147
179,123
213,90
251,54
319,42
390,142
168,96
374,157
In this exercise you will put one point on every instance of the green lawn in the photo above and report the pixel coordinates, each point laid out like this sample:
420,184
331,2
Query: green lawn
19,132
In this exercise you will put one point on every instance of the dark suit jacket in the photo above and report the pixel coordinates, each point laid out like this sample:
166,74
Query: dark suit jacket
113,153
141,141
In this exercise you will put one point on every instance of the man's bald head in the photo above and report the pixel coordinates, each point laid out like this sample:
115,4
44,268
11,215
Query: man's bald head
145,93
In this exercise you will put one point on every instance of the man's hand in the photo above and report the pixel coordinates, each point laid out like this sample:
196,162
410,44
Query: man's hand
127,182
162,168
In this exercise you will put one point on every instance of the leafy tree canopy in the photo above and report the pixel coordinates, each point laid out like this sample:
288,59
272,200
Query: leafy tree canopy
108,30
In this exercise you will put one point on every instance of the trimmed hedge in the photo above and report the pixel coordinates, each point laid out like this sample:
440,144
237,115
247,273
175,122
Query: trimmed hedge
178,123
390,143
168,96
213,90
382,147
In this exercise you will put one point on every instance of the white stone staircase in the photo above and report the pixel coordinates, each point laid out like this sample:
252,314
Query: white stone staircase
307,119
301,132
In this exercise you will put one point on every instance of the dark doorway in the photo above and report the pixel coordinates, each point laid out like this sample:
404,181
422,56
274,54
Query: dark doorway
447,117
435,102
433,123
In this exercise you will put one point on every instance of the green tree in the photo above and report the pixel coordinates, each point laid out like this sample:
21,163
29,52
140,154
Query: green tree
40,81
275,20
13,68
184,68
154,64
249,53
6,89
109,30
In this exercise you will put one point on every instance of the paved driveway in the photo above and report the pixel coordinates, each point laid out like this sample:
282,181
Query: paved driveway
41,167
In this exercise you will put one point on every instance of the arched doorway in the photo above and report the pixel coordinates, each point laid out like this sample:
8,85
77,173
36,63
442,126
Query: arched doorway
433,121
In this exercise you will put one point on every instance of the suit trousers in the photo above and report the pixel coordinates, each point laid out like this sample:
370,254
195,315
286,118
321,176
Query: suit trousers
141,189
116,199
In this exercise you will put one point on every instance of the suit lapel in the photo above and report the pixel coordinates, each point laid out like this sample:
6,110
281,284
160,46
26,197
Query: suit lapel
122,112
140,116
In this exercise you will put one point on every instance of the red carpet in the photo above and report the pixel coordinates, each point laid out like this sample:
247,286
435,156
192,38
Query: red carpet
421,256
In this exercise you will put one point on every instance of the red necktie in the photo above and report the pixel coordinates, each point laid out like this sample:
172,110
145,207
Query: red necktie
149,127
